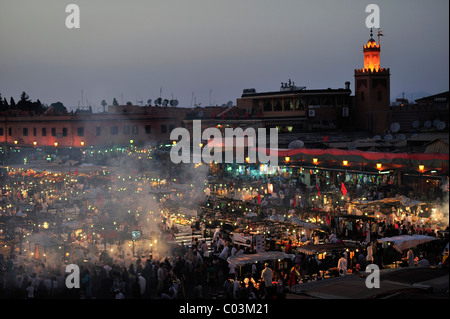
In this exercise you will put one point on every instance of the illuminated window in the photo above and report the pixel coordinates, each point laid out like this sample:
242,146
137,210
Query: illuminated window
288,105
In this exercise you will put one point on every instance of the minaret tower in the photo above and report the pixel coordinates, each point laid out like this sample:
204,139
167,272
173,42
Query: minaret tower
372,90
371,54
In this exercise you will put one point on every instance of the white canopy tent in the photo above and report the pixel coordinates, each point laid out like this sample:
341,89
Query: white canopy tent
406,241
259,257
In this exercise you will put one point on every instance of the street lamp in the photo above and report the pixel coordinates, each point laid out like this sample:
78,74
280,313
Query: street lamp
315,160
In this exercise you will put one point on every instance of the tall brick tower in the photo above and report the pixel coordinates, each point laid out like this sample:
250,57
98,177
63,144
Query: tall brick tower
372,91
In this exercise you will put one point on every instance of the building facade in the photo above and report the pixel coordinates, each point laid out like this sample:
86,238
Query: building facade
121,125
297,109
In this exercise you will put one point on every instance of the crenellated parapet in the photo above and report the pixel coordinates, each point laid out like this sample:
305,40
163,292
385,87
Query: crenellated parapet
381,71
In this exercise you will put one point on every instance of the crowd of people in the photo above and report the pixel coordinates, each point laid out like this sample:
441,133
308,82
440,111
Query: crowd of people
199,268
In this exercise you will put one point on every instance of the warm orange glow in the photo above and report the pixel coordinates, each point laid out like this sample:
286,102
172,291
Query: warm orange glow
372,44
372,56
82,143
34,143
56,143
372,60
287,159
315,160
247,159
421,167
345,162
379,165
15,142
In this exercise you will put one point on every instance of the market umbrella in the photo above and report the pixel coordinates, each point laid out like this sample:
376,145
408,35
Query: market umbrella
404,242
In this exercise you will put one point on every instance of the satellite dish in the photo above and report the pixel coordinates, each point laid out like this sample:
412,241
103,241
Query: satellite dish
441,125
200,114
435,123
377,137
395,127
415,124
174,102
229,104
296,144
149,101
401,137
388,137
427,124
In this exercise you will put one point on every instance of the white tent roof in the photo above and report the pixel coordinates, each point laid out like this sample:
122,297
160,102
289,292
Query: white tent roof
405,241
259,257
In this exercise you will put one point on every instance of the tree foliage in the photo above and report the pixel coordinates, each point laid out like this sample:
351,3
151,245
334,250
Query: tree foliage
24,105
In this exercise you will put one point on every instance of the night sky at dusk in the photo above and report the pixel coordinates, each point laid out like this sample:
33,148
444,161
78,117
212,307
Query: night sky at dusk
208,51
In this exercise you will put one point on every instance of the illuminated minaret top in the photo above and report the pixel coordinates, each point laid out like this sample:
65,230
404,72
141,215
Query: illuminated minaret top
372,54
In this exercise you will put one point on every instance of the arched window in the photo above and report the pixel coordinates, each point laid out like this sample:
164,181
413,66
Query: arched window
267,106
379,96
288,105
278,106
299,105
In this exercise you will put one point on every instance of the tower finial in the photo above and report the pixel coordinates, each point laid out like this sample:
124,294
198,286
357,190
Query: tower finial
371,33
